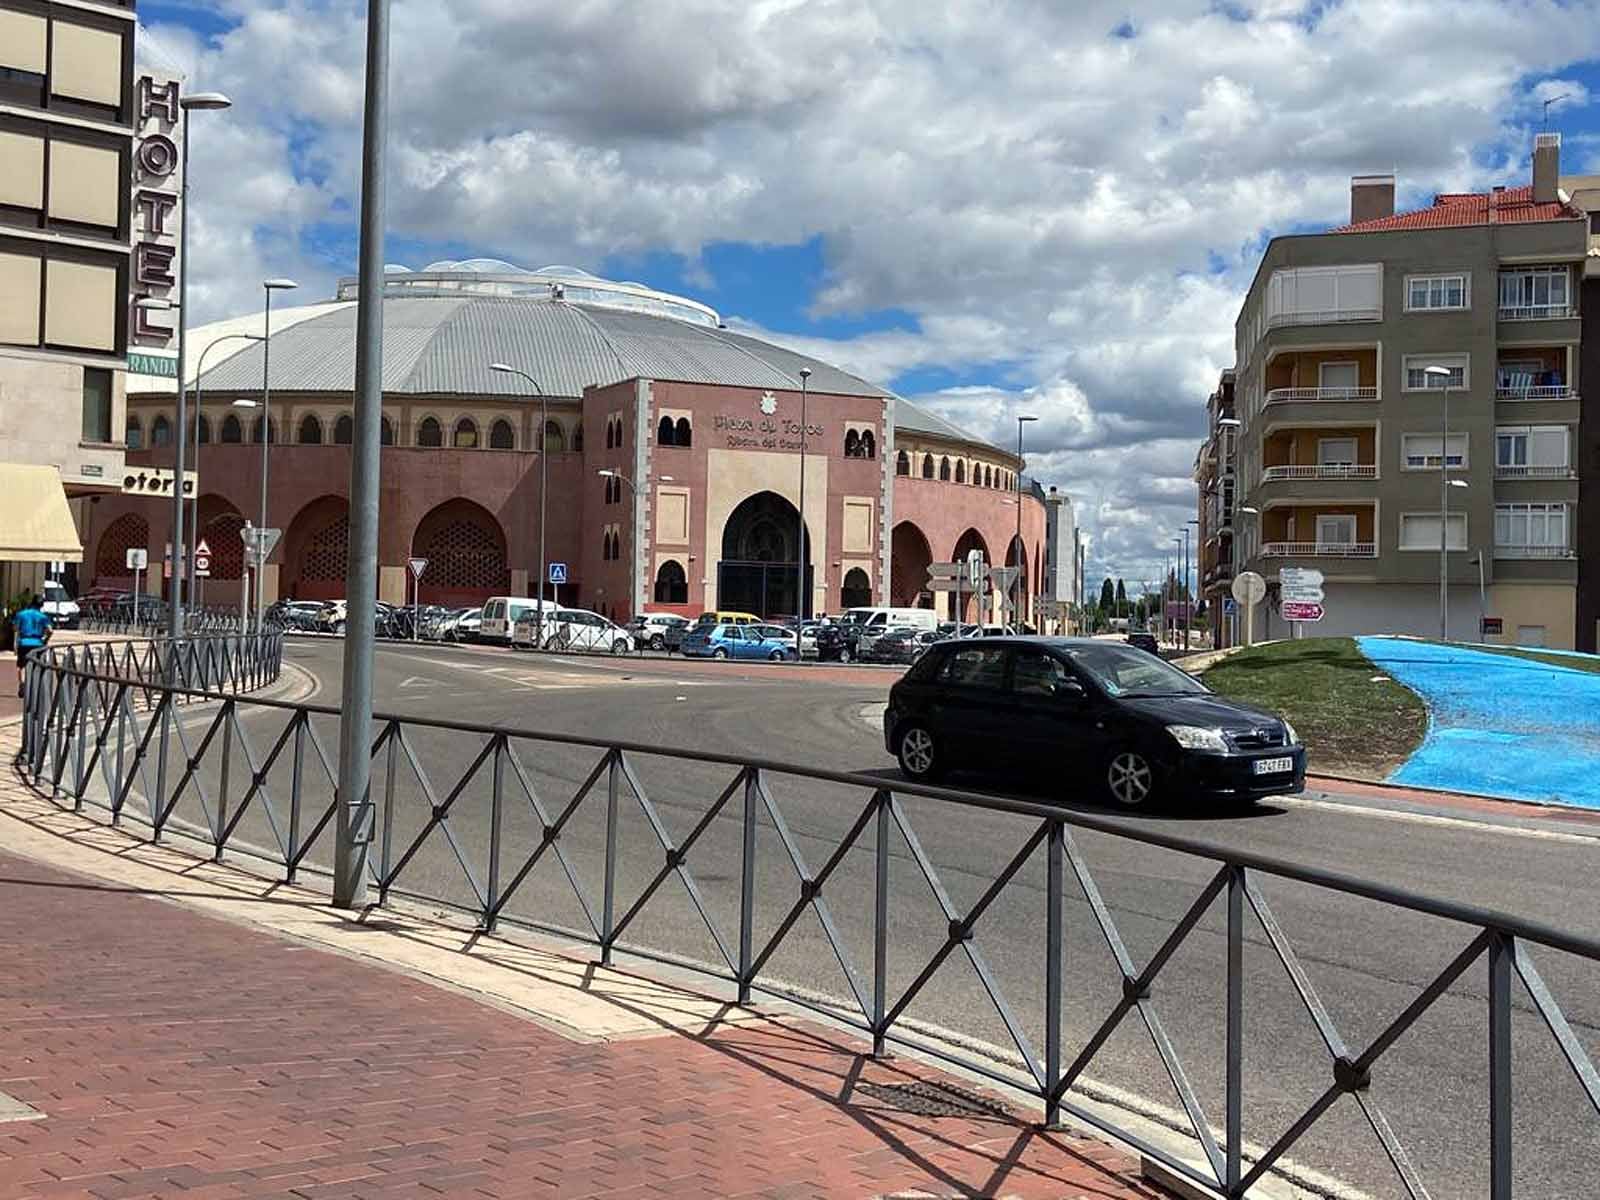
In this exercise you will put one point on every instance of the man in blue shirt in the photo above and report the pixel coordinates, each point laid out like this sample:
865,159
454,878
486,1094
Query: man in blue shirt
31,627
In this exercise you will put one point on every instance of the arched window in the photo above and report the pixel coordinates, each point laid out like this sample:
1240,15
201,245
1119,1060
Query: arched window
672,586
927,466
232,430
554,440
134,435
961,470
606,546
344,430
203,430
611,435
466,434
856,590
944,469
257,428
902,464
161,431
386,433
429,433
869,444
310,431
666,433
501,436
577,437
852,444
685,432
988,478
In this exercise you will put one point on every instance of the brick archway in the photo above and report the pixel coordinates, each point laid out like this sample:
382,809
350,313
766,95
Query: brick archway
466,552
909,557
130,531
315,548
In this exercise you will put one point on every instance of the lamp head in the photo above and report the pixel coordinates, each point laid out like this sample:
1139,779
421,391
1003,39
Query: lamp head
805,372
504,368
153,304
279,285
246,402
205,101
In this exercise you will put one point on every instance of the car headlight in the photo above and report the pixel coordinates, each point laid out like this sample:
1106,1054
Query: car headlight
1193,737
1291,737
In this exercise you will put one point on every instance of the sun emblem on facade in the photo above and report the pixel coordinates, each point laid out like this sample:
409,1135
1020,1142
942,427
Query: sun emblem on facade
769,404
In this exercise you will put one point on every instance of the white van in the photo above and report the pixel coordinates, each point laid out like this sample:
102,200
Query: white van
867,625
61,608
500,615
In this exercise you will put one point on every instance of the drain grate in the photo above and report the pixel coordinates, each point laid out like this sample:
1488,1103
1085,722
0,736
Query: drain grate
923,1099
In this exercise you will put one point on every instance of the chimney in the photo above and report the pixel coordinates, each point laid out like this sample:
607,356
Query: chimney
1546,167
1371,197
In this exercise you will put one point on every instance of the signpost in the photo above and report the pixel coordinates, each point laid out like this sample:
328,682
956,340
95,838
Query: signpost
418,566
1301,596
558,576
1300,611
1249,589
260,543
138,560
202,559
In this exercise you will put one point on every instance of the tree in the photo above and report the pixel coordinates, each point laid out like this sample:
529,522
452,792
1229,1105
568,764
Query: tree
1122,599
1108,595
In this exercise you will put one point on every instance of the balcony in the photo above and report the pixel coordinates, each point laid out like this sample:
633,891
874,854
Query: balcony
1509,393
1536,293
1538,552
1319,550
1505,472
1321,471
1536,312
1320,395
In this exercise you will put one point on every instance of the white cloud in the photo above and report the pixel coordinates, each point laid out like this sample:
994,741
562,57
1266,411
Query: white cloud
1077,212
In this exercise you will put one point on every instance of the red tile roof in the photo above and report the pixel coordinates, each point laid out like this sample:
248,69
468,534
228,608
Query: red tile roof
1508,206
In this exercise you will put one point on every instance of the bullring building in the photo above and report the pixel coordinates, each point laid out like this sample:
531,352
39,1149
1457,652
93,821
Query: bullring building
673,456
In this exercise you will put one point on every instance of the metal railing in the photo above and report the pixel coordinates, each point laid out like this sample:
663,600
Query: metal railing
1552,391
150,620
1320,471
1319,395
1319,549
1501,471
1326,316
80,721
1504,551
1536,312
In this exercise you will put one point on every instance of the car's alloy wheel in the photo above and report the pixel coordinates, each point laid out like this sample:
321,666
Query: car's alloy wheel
1130,779
619,647
918,754
844,656
658,643
719,652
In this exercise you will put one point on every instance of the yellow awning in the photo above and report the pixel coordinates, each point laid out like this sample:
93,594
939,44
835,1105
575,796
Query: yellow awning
35,522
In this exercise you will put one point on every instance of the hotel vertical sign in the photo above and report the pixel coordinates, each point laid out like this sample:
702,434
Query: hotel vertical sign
157,196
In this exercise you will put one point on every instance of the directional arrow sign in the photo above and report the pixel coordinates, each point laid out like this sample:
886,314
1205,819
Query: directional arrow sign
1297,610
945,570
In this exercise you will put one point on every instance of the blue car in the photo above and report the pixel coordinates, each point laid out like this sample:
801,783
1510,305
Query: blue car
735,641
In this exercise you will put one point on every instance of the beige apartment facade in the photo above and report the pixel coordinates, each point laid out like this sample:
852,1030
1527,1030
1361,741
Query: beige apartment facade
68,110
1373,357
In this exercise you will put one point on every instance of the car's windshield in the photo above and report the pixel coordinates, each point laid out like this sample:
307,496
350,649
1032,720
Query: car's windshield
1125,671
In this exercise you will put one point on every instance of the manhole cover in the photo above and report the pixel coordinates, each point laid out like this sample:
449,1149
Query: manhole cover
924,1099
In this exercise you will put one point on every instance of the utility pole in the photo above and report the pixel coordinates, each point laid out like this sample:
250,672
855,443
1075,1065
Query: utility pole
354,814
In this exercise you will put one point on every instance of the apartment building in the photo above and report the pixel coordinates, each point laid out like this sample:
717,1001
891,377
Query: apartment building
1374,357
1061,563
1215,477
68,109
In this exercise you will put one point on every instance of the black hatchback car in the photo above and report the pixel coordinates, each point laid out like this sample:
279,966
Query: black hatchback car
1103,716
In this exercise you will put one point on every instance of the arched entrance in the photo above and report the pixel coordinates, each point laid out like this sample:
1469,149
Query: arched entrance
856,591
971,609
220,525
130,531
316,551
1017,556
466,552
909,559
757,573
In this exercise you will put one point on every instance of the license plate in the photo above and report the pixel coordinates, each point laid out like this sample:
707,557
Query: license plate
1273,766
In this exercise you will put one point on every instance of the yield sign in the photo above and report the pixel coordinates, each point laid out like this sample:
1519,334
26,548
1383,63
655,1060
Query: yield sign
418,566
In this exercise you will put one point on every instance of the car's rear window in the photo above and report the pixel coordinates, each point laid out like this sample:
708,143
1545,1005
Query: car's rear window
974,666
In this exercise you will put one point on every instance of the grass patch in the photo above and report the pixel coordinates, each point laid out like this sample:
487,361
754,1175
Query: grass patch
1568,662
1352,723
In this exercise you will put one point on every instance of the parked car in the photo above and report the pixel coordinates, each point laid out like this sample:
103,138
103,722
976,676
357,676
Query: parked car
61,608
651,629
1144,640
572,629
301,616
831,643
789,637
466,625
1132,726
735,641
902,644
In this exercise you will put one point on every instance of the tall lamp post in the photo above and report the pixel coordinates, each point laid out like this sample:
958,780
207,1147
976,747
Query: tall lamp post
1022,570
544,480
194,503
1181,562
1188,568
633,522
268,286
802,558
1239,560
1443,377
198,102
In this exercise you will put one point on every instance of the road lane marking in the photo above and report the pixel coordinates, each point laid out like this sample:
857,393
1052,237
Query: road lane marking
1437,819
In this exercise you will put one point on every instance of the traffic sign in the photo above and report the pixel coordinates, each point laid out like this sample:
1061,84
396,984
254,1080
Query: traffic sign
1249,589
976,571
1004,577
558,572
259,541
1230,606
1300,610
418,566
202,560
138,558
1300,585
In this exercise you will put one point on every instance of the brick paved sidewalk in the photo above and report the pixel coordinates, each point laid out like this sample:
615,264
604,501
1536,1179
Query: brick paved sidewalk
175,1054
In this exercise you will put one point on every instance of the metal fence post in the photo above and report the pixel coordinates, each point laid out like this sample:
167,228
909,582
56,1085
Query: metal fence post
880,928
80,783
608,913
300,720
1500,1121
392,738
222,791
747,884
1055,846
1233,1128
491,895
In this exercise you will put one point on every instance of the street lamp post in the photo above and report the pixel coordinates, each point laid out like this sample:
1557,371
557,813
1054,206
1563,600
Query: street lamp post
1188,596
1022,571
1443,375
194,504
544,480
802,593
198,102
633,524
268,286
1239,560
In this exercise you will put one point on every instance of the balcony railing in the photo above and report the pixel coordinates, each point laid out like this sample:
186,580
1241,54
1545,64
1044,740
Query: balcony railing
1548,391
1536,312
1504,472
1326,316
1320,395
1319,550
1321,471
1535,552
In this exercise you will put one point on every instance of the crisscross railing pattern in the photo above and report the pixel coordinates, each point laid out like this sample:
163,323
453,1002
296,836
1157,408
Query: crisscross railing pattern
121,617
90,737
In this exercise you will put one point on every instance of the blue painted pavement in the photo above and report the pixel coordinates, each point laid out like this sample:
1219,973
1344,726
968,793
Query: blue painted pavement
1497,724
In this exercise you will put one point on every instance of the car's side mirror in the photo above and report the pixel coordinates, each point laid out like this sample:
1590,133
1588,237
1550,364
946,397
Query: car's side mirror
1067,689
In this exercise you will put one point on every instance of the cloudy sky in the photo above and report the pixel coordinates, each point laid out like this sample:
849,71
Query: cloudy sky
991,206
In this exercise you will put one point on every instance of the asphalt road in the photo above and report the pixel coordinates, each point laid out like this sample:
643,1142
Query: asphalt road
1366,962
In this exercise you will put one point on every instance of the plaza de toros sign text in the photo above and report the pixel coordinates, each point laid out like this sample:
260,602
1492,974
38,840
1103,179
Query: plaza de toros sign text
767,431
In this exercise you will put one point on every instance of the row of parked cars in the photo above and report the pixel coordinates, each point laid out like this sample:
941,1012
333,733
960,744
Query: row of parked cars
886,635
